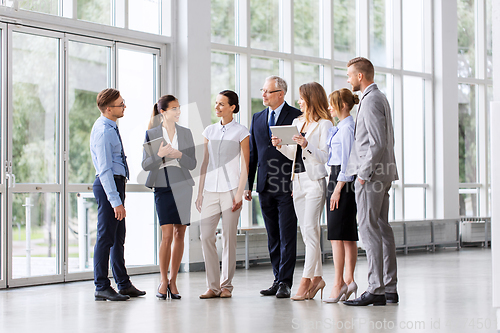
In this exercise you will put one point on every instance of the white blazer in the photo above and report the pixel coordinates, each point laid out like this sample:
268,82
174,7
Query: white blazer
315,155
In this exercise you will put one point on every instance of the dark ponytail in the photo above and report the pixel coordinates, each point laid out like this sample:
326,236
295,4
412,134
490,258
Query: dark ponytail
232,98
162,104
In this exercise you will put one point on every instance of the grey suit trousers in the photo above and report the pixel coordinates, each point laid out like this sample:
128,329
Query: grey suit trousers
372,200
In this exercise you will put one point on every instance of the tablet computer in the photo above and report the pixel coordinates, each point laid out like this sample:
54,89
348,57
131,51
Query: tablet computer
153,146
285,133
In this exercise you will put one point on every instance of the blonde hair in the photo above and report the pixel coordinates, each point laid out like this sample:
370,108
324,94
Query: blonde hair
316,102
343,96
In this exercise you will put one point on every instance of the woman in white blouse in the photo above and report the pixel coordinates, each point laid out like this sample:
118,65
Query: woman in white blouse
220,194
309,156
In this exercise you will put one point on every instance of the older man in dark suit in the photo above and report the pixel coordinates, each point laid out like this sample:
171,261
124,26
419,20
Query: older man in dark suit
274,185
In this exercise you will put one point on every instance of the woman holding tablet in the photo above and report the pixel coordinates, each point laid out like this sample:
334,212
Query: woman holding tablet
309,155
169,175
341,198
220,194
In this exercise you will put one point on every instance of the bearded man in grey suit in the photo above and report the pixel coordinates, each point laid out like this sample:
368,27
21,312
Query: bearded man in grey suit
372,160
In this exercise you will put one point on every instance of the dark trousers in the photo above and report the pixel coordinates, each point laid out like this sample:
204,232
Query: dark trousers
281,225
110,240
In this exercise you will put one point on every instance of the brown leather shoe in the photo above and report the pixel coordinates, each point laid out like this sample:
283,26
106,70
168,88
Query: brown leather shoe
225,293
209,294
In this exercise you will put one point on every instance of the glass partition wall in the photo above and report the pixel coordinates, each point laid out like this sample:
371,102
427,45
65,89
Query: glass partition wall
48,211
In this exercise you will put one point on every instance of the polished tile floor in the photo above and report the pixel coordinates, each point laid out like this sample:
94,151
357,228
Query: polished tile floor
445,291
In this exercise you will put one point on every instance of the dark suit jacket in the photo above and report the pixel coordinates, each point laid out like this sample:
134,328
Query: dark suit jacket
153,163
271,163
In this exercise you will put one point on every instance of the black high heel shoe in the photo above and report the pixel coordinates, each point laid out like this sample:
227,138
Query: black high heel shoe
172,295
160,295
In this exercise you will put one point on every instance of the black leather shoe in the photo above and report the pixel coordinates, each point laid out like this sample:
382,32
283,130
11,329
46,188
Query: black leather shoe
283,291
132,291
366,299
109,295
271,291
392,297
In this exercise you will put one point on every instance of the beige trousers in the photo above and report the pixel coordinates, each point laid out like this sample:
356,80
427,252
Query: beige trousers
217,205
308,201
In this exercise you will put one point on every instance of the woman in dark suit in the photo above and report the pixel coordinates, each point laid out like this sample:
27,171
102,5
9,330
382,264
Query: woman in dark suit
169,175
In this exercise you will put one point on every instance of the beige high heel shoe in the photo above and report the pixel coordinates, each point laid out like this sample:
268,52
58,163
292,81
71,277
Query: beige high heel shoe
342,293
300,298
352,288
320,286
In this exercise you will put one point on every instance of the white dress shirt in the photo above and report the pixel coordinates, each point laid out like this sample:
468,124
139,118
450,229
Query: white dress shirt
175,145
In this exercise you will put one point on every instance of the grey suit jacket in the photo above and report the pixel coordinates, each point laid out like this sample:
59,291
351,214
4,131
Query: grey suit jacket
372,155
153,163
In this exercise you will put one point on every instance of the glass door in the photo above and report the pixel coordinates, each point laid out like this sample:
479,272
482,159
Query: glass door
138,81
34,152
88,71
3,168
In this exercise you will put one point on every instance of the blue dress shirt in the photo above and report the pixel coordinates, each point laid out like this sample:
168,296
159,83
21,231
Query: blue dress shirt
106,152
340,140
277,113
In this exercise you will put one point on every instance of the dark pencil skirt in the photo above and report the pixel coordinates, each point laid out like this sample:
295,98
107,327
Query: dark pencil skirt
173,203
342,221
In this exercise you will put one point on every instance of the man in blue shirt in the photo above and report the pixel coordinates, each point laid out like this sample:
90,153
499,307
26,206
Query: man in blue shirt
109,190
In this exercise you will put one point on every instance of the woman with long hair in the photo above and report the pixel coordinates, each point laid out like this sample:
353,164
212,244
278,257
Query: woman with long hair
309,156
169,175
220,195
341,198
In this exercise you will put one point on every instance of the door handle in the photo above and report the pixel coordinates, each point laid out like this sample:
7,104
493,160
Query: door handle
7,178
13,179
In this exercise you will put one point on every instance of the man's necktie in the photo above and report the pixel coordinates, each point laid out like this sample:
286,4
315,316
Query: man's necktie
272,122
124,158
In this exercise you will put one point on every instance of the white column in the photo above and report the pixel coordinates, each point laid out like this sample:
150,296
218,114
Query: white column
495,163
445,183
192,52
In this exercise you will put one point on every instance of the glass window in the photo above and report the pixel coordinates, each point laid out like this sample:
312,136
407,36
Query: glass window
340,79
98,11
223,76
344,29
143,15
413,114
141,238
261,69
414,203
223,21
466,38
304,73
35,225
378,32
468,202
488,125
137,84
489,41
89,73
35,128
257,219
265,24
467,133
82,227
413,46
42,6
306,21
